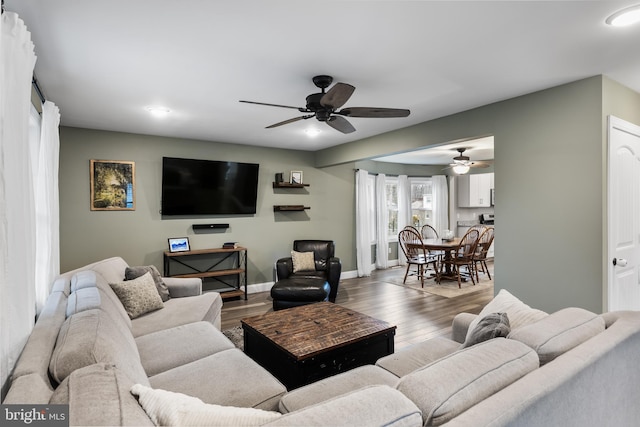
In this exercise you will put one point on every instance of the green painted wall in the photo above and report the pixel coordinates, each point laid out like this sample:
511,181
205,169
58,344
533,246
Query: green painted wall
550,178
550,182
140,236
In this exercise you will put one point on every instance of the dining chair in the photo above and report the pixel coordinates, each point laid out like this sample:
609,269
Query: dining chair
480,257
428,232
411,243
463,256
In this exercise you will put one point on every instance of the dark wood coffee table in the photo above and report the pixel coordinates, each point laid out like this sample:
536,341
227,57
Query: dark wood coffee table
304,344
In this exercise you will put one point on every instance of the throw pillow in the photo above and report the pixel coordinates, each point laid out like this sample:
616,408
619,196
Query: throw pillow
303,261
131,273
167,408
492,326
138,296
520,314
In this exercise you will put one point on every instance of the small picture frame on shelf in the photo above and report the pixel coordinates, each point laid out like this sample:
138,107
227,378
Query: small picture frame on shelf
179,244
295,177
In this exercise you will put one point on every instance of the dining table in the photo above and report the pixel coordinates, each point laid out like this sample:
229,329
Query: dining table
446,246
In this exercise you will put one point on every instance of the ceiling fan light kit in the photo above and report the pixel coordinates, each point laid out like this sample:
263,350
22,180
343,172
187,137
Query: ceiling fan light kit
625,17
462,164
325,107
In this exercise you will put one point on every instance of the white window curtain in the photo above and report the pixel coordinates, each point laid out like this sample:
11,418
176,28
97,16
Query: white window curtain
404,210
47,149
440,203
17,207
382,222
363,224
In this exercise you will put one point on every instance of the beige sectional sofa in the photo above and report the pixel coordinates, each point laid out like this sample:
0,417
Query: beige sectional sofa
173,366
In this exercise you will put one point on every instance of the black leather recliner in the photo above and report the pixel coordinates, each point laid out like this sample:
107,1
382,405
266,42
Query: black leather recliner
328,266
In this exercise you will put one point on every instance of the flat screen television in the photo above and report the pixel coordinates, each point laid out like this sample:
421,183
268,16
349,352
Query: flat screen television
208,187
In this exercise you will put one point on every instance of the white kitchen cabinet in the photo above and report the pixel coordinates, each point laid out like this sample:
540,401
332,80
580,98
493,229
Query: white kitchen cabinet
474,191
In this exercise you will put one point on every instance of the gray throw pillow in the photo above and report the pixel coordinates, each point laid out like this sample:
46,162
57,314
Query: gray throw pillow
491,326
131,273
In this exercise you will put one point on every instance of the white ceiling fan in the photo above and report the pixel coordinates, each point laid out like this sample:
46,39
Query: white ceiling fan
462,164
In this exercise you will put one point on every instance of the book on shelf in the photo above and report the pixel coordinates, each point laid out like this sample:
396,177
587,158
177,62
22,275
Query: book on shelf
230,245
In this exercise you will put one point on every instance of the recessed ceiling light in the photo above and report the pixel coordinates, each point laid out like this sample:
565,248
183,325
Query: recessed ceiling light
158,111
312,132
625,17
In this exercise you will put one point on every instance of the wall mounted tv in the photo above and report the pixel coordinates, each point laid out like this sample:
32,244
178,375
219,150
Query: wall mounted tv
208,187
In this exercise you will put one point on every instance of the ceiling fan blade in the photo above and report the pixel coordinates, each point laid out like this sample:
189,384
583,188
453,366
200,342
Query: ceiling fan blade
273,105
338,95
286,122
340,124
480,164
373,112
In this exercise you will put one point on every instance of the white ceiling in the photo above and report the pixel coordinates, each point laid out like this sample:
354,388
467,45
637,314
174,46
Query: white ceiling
104,62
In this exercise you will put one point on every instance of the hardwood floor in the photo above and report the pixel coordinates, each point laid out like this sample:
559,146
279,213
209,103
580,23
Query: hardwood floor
418,315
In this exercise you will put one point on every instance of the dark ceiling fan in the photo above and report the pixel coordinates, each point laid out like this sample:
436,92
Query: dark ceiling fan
462,163
324,106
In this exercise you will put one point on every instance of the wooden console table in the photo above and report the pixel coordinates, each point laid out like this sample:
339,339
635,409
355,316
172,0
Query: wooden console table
218,264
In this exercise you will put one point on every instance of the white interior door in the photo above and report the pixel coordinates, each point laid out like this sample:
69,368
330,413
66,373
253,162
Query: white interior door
624,216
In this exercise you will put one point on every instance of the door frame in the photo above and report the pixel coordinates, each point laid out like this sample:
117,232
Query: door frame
617,123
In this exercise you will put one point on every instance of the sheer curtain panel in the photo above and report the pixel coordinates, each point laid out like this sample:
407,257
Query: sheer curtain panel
47,205
363,224
17,211
382,222
404,210
440,203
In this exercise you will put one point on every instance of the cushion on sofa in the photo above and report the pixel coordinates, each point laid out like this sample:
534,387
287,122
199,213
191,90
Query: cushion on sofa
99,395
494,325
131,273
417,355
227,378
138,296
112,269
451,385
330,387
30,388
179,311
91,337
519,313
83,299
179,345
166,408
378,405
83,279
559,332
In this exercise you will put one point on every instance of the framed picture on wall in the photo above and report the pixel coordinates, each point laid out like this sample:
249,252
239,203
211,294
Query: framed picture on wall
113,185
295,177
179,244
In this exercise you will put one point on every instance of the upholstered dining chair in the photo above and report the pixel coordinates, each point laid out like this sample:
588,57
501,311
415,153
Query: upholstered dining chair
463,256
480,258
410,241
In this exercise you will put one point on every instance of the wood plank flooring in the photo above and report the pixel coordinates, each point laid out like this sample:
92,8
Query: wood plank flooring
418,315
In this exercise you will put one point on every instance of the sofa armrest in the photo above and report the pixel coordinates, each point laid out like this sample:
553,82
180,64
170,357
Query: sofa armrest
284,268
460,326
183,286
378,405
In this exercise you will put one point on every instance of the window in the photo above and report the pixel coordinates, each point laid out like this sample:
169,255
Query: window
421,201
392,206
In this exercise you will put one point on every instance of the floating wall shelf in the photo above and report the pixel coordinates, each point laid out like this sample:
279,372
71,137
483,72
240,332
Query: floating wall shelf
289,208
288,185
